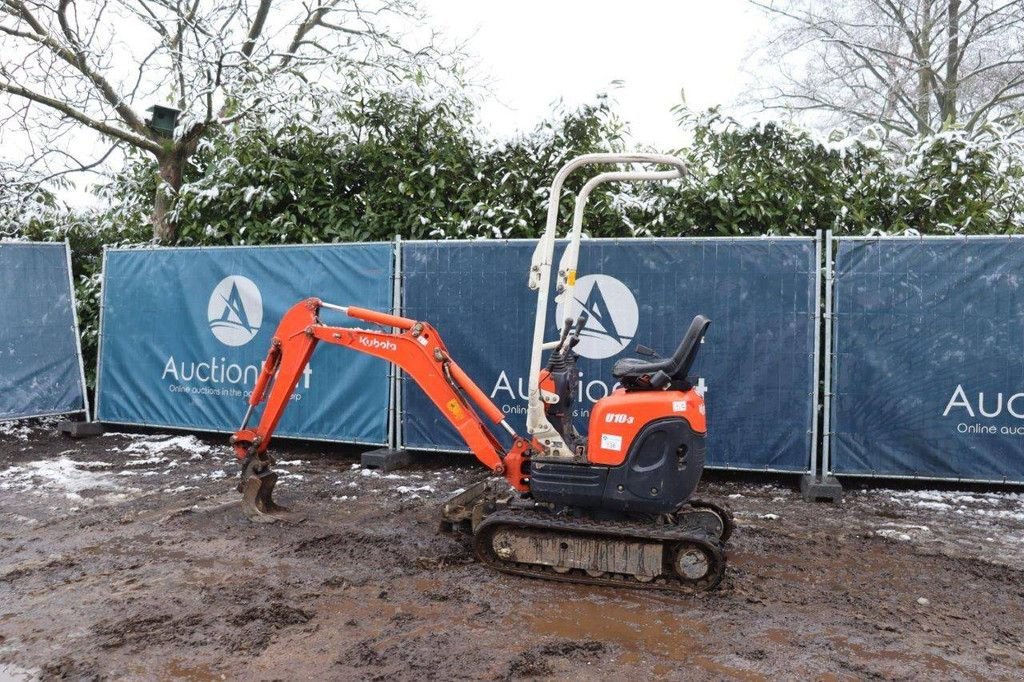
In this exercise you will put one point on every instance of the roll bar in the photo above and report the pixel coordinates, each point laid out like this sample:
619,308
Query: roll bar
540,267
566,280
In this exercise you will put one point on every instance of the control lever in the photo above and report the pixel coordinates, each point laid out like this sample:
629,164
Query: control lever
570,333
566,328
580,321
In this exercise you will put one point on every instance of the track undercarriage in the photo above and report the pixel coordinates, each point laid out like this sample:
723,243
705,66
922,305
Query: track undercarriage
680,552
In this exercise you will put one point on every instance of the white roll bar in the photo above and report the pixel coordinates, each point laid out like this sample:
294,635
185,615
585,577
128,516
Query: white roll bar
570,257
537,423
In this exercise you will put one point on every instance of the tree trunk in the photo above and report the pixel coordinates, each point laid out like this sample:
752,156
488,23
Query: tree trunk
952,83
924,85
165,228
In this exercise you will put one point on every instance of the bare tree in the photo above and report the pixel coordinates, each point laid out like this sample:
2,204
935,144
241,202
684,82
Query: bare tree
912,66
68,67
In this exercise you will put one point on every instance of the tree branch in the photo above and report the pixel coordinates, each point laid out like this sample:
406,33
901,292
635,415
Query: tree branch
75,56
72,113
256,28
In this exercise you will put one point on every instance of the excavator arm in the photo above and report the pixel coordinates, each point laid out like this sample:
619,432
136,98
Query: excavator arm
416,347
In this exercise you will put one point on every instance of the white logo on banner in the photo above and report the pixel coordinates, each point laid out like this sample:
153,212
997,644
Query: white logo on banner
235,310
612,315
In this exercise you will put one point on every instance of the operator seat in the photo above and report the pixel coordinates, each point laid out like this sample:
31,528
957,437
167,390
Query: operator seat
638,374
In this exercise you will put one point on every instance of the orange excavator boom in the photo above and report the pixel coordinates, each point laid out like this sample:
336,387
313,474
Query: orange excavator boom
415,346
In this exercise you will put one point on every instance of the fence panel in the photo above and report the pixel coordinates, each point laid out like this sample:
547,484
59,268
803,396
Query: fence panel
40,360
928,375
756,365
184,332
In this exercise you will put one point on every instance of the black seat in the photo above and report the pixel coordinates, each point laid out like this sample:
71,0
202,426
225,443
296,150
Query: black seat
639,373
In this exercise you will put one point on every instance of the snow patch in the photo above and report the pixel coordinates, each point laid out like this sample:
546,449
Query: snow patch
938,506
93,466
65,476
16,430
893,534
904,532
23,429
145,461
949,497
180,489
406,489
143,445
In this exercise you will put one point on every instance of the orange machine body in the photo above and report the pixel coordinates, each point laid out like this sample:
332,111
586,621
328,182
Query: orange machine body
616,421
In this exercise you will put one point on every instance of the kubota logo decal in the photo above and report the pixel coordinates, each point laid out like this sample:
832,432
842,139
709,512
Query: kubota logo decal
235,311
612,315
377,343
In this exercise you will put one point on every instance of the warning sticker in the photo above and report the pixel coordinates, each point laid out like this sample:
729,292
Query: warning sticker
610,442
455,408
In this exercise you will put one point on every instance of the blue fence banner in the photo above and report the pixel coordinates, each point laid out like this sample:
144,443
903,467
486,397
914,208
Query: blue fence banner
40,361
928,374
756,364
185,331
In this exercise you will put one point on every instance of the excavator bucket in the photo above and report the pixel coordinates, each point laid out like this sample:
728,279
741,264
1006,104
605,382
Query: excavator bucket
258,500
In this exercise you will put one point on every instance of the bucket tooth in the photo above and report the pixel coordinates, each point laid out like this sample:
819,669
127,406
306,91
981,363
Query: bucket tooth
258,501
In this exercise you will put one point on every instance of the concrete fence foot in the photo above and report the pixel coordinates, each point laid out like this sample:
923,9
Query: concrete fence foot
386,459
825,488
80,429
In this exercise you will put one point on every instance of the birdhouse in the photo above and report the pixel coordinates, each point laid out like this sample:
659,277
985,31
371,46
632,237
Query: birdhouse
163,120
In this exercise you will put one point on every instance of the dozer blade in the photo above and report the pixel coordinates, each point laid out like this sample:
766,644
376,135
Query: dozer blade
464,511
258,501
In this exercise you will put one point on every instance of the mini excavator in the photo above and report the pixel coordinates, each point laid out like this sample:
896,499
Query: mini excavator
612,507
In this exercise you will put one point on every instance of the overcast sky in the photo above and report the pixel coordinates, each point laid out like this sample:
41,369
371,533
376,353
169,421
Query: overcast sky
534,52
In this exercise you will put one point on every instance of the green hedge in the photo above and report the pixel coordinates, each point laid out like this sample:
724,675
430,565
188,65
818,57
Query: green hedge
402,164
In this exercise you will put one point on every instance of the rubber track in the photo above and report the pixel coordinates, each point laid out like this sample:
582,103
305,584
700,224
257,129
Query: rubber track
622,530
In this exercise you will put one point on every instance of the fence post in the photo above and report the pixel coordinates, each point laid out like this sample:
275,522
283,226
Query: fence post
395,436
823,486
829,358
815,410
99,332
78,332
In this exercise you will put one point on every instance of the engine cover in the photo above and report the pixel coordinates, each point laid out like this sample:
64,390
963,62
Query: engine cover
616,421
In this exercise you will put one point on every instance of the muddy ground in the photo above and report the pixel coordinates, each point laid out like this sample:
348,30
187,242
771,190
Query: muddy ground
126,556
